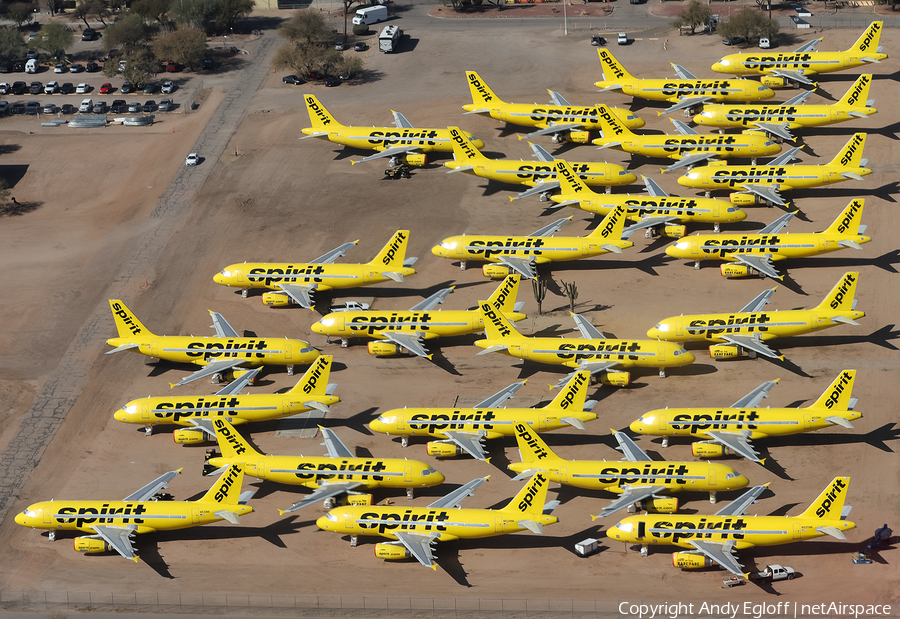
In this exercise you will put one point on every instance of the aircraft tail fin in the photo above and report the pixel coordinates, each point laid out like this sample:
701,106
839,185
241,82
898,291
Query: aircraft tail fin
532,497
612,68
868,40
838,395
318,115
570,184
848,221
127,323
851,155
227,489
481,92
573,395
315,380
394,252
531,446
829,504
504,297
496,325
463,149
613,225
610,126
858,93
842,295
232,444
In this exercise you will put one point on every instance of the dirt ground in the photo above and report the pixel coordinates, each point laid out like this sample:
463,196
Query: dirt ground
284,199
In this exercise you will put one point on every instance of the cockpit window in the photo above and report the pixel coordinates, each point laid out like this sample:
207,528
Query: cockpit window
331,517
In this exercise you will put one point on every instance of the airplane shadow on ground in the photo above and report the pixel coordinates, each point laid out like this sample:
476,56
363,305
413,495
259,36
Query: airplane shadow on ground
647,265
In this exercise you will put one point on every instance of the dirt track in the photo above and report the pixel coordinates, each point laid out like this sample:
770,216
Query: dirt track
281,198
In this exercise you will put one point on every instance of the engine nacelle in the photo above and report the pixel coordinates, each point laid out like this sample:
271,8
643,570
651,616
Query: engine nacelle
580,137
391,552
415,159
348,499
443,449
660,506
616,379
743,199
674,232
707,449
383,349
774,82
189,436
724,351
732,270
236,373
277,299
91,545
496,271
691,561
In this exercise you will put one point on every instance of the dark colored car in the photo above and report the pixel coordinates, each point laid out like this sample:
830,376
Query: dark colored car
149,106
89,34
293,79
126,88
32,108
92,67
36,88
17,108
332,81
118,106
4,108
76,68
149,88
67,88
360,47
68,108
208,64
100,107
30,54
133,107
18,88
733,41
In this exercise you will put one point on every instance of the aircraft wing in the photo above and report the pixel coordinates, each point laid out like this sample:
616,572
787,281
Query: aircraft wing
540,187
468,442
736,443
390,152
334,254
552,228
759,302
778,224
456,497
557,99
235,386
793,75
682,127
687,102
325,491
780,130
432,301
523,267
153,487
631,495
799,99
647,222
501,396
588,366
119,538
761,263
209,369
419,546
554,128
683,73
588,331
132,345
400,121
205,425
720,553
752,343
809,46
410,342
753,398
738,506
540,152
632,452
654,189
785,158
689,160
299,293
223,329
334,445
765,193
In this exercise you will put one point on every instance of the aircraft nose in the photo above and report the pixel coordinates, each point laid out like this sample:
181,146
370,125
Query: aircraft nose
654,333
317,327
671,251
686,357
437,477
628,179
20,519
217,278
323,523
637,426
377,426
437,250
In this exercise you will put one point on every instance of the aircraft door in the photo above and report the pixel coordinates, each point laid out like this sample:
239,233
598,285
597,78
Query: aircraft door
288,349
662,423
498,524
661,355
588,249
679,330
195,515
711,478
642,530
797,530
154,348
240,277
754,145
564,475
47,512
145,410
286,406
349,522
408,473
401,422
807,421
542,422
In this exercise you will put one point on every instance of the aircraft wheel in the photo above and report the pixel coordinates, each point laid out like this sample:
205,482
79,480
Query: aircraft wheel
290,370
344,343
404,441
215,379
462,265
244,293
148,430
752,354
716,228
52,536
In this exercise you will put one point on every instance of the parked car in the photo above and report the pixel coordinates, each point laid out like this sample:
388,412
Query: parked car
35,88
31,54
733,41
32,107
89,34
86,105
17,108
172,67
149,88
165,105
49,108
622,39
133,107
67,88
208,64
76,68
93,67
60,68
68,108
339,46
360,47
118,106
100,107
764,43
168,87
106,88
32,37
126,88
149,106
192,159
332,81
82,89
293,79
18,88
51,88
4,108
4,88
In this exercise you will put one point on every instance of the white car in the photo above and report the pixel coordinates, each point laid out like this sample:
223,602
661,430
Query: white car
168,87
192,159
764,43
82,89
51,88
60,68
622,39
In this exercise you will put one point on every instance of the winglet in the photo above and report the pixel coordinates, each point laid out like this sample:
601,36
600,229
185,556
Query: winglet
352,162
488,460
172,385
135,559
777,380
430,356
763,463
593,517
281,512
488,478
179,470
433,566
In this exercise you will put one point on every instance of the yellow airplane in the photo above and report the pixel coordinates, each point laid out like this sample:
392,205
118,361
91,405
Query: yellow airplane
659,213
782,69
415,529
751,327
337,473
196,413
540,175
522,254
712,540
778,119
688,149
593,352
227,355
747,254
111,524
685,92
637,478
763,182
401,143
461,430
397,330
297,282
730,430
564,121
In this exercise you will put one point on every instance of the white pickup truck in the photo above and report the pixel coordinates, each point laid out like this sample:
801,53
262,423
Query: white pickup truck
773,573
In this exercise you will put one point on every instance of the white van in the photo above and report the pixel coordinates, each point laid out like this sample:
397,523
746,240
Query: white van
86,105
31,66
389,39
370,15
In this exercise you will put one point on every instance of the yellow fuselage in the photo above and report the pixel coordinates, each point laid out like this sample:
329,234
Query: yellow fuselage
755,422
728,247
493,422
517,171
678,146
698,210
673,90
784,177
382,138
429,324
806,63
253,351
542,249
268,275
795,116
542,116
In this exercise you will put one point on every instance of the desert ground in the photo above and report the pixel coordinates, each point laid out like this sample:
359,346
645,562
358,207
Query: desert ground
272,197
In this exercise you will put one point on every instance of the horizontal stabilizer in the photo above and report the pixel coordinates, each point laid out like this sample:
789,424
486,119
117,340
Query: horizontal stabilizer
590,404
855,114
833,532
245,497
494,348
121,348
615,249
483,110
410,261
319,406
397,277
317,134
840,421
550,506
465,168
572,421
844,320
851,244
851,175
531,525
609,145
526,474
228,515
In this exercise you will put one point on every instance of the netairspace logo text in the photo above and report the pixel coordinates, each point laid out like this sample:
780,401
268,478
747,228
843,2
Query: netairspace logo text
748,610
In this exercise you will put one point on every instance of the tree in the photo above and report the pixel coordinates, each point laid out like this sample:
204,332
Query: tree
141,65
229,11
308,27
55,6
194,13
11,44
694,15
54,36
186,46
98,9
128,33
304,59
152,10
82,11
20,12
749,24
539,286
